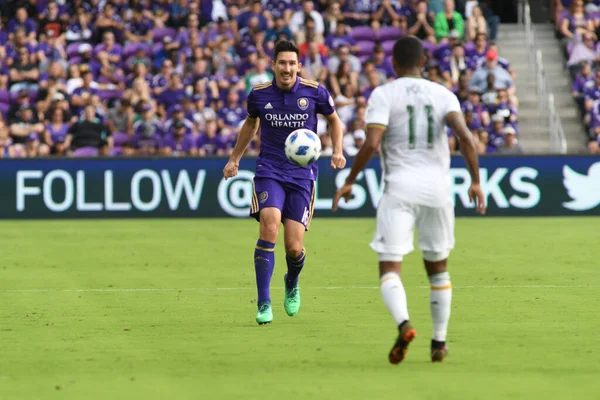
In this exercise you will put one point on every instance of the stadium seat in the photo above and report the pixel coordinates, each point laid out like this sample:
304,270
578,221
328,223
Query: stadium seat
120,138
159,33
86,152
156,47
100,47
363,33
74,60
388,47
73,49
131,48
109,94
365,48
386,33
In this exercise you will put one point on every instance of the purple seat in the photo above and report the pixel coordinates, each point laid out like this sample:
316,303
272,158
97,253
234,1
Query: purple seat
103,79
74,60
386,33
4,96
388,47
159,33
120,138
109,94
469,46
363,33
363,58
86,152
131,48
365,48
101,47
73,49
156,47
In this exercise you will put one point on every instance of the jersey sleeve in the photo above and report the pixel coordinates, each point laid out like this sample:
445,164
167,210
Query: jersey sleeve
325,103
251,101
378,109
451,104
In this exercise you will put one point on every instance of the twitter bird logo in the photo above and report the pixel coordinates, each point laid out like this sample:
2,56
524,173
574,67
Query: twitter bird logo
583,189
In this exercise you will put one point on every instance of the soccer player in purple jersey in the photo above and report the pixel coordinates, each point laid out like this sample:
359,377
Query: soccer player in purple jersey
283,192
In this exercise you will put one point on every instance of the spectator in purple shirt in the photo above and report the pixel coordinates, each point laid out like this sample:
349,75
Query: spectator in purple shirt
109,53
179,117
278,9
139,28
148,130
478,53
232,114
19,40
593,92
23,21
160,81
255,10
210,143
81,95
382,63
340,38
193,25
373,79
453,67
78,30
594,139
178,143
109,21
221,29
496,132
583,81
56,131
172,95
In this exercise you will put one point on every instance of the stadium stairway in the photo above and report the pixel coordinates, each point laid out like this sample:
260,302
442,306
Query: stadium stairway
533,130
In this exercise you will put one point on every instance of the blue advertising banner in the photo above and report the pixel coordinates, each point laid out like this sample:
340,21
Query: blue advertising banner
194,187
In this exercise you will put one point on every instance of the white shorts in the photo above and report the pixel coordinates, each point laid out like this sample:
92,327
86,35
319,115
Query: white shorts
396,222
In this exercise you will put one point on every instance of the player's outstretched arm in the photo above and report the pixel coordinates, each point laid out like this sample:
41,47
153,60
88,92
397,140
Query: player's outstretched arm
372,142
247,132
468,149
336,131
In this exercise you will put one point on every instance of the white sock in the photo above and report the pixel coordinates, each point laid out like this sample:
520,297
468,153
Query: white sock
394,296
440,298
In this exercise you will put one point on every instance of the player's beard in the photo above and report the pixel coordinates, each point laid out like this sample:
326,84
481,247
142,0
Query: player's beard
287,79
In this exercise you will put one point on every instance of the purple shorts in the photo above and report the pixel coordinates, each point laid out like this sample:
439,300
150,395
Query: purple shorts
295,201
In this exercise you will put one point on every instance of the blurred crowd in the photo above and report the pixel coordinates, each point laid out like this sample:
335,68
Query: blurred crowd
578,27
170,77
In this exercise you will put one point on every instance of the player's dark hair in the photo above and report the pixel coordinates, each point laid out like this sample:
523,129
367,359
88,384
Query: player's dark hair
408,52
285,45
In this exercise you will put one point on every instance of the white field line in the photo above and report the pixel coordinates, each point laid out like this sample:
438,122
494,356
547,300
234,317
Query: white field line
216,289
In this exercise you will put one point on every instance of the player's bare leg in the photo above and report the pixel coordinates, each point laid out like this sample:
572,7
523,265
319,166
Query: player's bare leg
440,297
295,254
394,298
264,261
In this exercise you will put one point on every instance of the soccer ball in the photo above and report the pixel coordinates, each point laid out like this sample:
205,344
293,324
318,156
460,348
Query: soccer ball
303,147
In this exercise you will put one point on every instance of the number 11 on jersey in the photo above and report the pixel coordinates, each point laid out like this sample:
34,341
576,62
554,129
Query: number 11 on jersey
411,126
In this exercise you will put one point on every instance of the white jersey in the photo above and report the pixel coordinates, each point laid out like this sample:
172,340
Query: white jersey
414,149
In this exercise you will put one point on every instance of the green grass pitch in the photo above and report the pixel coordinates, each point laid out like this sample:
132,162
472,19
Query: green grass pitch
151,309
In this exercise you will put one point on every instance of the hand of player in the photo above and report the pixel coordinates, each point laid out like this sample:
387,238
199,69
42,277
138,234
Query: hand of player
231,169
338,161
476,195
345,191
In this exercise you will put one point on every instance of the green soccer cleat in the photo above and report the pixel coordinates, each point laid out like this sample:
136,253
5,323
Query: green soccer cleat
291,303
264,314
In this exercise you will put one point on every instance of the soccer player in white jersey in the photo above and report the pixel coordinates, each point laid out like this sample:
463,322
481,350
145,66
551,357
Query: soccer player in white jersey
407,118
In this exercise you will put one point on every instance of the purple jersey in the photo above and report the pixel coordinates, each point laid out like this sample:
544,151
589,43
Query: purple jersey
179,145
142,142
593,93
211,146
58,134
386,68
282,112
171,97
232,116
595,115
277,7
582,83
140,28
